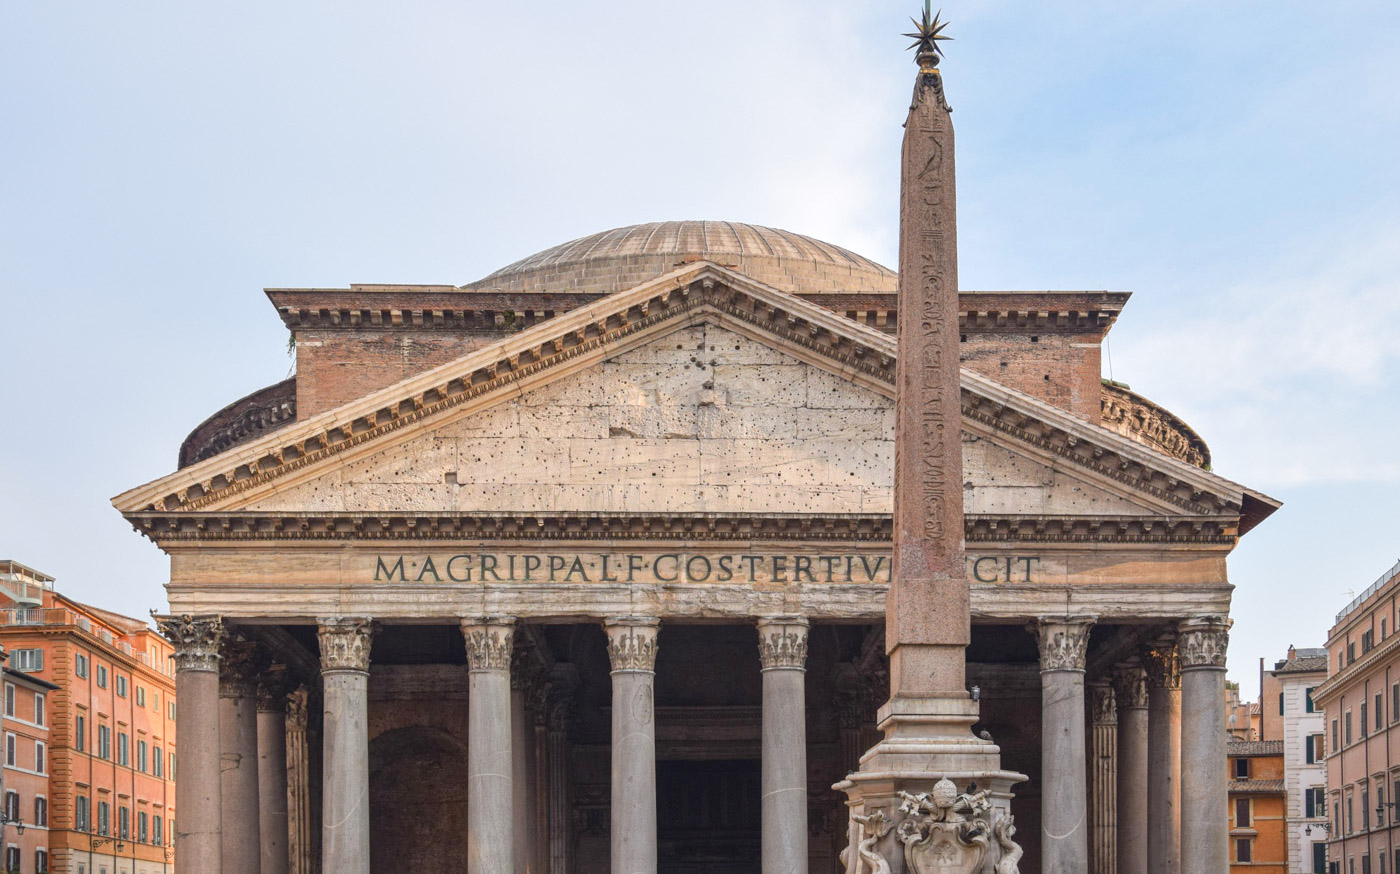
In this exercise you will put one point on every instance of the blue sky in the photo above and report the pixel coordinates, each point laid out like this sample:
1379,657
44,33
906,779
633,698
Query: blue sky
1232,164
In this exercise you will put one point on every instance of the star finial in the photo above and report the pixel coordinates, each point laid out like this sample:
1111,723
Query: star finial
927,34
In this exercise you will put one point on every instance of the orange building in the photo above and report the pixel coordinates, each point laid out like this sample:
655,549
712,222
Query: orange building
24,778
1258,807
110,724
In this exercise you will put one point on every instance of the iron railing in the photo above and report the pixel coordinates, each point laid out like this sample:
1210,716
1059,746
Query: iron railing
1370,590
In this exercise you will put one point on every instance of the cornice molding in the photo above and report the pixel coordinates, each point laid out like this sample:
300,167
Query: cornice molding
698,291
182,527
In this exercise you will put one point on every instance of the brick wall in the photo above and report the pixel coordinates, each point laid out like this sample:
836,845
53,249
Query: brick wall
1060,368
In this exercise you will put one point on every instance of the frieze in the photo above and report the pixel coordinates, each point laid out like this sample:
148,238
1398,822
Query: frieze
1202,642
196,640
345,643
782,642
1063,643
632,643
490,640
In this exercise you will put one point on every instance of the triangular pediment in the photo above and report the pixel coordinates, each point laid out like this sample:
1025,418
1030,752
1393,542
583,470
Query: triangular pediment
638,403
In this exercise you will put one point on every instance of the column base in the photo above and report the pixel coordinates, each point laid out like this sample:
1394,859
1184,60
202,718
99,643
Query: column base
931,796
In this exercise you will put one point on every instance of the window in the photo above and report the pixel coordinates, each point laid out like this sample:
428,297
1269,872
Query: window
104,818
1368,640
1336,739
80,666
1244,850
41,810
40,714
12,858
9,699
142,832
1319,857
156,767
1351,651
9,749
171,706
1366,863
80,733
102,676
140,696
141,756
1363,718
1241,769
1280,704
1307,700
104,742
123,748
41,861
1380,709
1348,721
12,806
1351,815
1395,702
1365,811
82,813
1312,750
121,687
1314,803
156,837
170,774
27,660
124,821
1242,814
40,757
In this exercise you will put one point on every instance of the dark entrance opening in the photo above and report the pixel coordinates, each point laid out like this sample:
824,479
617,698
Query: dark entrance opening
708,816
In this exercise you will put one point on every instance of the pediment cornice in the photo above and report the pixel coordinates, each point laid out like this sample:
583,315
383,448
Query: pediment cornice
702,291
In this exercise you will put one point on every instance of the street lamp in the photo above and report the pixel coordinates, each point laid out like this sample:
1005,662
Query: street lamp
5,820
1324,826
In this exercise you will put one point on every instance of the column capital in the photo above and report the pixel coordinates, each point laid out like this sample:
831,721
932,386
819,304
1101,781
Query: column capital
239,666
1162,664
1202,641
1102,703
272,686
782,642
196,640
632,642
345,643
1064,642
490,641
1130,687
297,709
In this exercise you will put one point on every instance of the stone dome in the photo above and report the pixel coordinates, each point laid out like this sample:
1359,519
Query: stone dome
625,257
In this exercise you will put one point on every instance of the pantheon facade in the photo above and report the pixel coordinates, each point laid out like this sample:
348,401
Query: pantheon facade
594,551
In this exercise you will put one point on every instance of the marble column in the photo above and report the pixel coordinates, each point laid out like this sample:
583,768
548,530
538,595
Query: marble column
1163,758
490,794
345,645
632,651
559,710
782,649
198,832
1103,780
1130,692
272,771
1205,826
1064,820
527,690
300,853
238,752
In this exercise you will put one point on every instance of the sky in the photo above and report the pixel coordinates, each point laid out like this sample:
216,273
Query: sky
1231,164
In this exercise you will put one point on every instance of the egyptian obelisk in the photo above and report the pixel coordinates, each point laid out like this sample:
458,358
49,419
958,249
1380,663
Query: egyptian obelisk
920,787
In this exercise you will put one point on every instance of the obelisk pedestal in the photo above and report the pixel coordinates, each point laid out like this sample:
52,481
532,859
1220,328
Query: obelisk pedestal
931,796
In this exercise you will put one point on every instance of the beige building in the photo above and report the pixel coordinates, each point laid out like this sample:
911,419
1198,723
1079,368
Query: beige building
1360,700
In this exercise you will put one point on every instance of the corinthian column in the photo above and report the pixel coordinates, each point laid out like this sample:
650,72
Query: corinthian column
238,742
491,844
345,644
299,845
632,651
272,770
1205,827
197,795
1163,758
1063,826
1130,690
1103,785
782,649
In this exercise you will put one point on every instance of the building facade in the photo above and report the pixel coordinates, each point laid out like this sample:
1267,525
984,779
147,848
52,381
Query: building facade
109,731
24,788
1258,807
1292,717
1360,700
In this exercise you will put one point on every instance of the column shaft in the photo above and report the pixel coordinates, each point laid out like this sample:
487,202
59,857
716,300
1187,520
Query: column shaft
272,777
490,796
1131,693
1205,828
238,746
1064,831
522,799
1163,760
782,645
345,645
557,776
198,832
632,652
